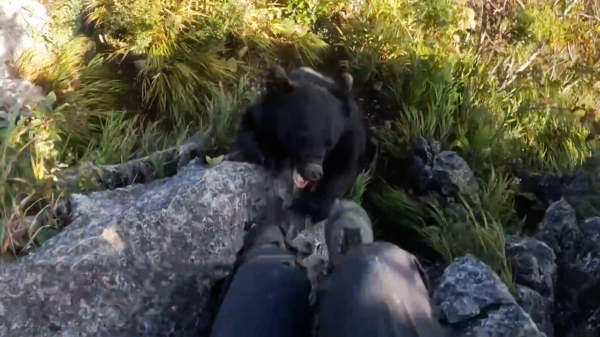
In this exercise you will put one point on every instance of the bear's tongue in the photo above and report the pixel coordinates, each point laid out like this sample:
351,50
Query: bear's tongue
299,181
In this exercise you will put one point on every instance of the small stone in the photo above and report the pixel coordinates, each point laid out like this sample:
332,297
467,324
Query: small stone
114,239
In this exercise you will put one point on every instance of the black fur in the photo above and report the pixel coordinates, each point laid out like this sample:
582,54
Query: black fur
306,119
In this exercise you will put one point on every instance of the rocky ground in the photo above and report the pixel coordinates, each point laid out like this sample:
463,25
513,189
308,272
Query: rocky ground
142,260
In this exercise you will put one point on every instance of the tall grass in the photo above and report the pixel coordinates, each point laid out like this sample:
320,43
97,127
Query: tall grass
453,230
512,80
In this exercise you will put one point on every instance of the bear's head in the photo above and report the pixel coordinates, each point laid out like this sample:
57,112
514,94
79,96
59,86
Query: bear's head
311,118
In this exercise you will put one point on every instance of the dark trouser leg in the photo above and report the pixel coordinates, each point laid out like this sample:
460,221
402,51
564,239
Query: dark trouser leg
268,297
377,290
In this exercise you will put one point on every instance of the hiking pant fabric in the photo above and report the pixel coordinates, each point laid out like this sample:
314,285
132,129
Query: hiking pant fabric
377,290
268,297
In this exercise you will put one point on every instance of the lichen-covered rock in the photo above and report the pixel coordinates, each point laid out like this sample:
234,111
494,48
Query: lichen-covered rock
538,307
533,263
590,247
425,150
535,273
422,162
476,302
467,287
579,189
136,261
158,165
444,175
560,231
578,284
508,320
452,176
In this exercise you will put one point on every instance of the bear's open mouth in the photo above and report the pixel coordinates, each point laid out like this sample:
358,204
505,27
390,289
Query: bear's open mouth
299,181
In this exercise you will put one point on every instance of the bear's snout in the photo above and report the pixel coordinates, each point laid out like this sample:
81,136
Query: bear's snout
313,172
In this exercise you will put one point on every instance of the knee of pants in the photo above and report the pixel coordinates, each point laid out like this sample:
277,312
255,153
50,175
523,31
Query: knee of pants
377,290
268,296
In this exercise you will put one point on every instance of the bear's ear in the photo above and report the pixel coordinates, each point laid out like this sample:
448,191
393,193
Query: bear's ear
343,85
278,81
344,92
346,81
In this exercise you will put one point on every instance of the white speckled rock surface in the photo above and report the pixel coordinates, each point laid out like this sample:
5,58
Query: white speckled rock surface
136,261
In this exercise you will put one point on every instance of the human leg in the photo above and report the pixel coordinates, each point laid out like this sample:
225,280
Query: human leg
267,294
375,289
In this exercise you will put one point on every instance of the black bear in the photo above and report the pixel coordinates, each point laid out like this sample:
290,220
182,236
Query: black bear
312,123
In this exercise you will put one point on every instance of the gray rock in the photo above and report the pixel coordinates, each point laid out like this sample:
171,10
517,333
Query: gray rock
315,235
560,231
422,150
579,189
578,285
537,307
421,166
88,177
22,25
591,243
475,302
435,147
587,328
136,261
16,94
533,263
508,320
453,177
467,287
315,254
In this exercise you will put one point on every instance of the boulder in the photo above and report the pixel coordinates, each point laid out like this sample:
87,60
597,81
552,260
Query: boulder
579,189
16,94
452,176
22,25
420,168
444,174
578,285
538,307
535,272
139,260
560,231
533,264
475,302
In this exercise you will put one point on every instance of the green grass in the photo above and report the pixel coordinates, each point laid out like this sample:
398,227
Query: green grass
358,190
516,81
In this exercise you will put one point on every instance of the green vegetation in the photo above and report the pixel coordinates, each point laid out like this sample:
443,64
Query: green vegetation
495,81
